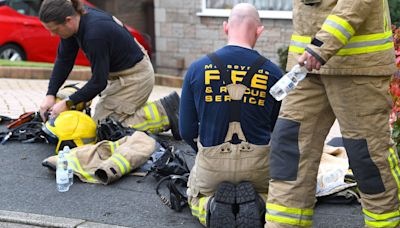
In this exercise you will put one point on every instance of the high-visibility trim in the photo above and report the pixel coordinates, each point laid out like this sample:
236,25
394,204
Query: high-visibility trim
199,211
291,216
365,50
113,146
122,163
154,121
76,167
368,43
155,111
394,168
151,124
147,112
357,45
386,20
343,38
391,219
339,28
299,43
343,23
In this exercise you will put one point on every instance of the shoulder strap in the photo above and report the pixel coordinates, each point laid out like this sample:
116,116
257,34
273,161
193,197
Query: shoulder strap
260,61
221,67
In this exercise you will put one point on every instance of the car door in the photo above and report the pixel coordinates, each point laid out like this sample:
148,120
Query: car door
36,41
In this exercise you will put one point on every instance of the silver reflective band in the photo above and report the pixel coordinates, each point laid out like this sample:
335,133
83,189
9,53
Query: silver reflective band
369,43
397,218
338,27
298,44
292,216
123,164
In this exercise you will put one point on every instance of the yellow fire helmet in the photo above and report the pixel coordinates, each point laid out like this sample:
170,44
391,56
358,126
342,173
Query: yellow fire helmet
70,89
71,128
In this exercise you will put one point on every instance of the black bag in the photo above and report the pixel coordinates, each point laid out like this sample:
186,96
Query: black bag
112,130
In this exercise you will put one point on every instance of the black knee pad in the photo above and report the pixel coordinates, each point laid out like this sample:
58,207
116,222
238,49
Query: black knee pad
285,153
365,171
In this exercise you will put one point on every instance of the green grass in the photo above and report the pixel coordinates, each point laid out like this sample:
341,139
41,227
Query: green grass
29,64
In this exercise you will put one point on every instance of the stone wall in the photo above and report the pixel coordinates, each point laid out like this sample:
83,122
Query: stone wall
182,36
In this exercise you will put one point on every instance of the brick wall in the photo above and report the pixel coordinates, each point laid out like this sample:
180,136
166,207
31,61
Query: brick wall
182,36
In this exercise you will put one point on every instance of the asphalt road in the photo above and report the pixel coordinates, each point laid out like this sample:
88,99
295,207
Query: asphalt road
27,186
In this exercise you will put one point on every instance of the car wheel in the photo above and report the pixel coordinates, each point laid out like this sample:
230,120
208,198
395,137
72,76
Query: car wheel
12,52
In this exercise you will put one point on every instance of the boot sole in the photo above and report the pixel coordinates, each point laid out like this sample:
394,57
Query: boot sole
249,211
224,198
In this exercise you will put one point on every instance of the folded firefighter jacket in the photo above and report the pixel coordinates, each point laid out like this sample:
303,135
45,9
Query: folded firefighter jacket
107,161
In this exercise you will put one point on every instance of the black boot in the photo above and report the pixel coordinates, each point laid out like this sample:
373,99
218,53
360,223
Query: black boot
250,213
171,106
220,207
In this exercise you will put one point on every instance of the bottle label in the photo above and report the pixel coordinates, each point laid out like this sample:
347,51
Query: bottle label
286,82
62,177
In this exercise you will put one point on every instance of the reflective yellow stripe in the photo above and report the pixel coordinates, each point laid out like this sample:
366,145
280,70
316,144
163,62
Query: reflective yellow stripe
296,211
299,43
150,124
371,37
368,43
386,16
394,168
77,168
122,163
113,146
292,216
155,111
146,110
357,45
336,33
199,211
339,28
365,50
302,39
342,23
289,221
385,216
391,219
154,121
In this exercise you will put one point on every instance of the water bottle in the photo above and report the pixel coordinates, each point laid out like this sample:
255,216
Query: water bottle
288,82
66,151
62,177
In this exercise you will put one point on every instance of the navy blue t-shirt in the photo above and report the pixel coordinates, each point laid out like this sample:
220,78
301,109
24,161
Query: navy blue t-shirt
204,107
109,47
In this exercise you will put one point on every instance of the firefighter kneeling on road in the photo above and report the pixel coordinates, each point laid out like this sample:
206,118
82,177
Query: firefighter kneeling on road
121,69
348,45
229,181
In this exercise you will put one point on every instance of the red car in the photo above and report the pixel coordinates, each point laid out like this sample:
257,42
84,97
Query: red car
23,37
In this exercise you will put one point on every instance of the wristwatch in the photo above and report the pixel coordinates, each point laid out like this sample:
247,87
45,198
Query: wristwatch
70,104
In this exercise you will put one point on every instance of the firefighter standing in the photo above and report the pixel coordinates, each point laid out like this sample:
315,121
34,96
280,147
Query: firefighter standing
226,108
121,69
348,45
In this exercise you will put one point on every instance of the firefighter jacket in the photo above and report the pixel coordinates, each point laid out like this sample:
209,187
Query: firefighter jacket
108,161
350,37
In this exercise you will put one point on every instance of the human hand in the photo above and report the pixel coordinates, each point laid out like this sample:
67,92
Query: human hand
47,103
309,61
58,108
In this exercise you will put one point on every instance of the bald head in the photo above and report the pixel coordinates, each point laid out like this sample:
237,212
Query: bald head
244,13
244,26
